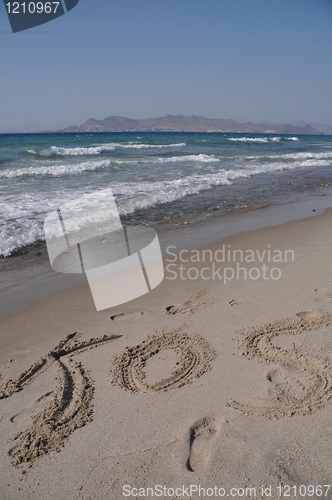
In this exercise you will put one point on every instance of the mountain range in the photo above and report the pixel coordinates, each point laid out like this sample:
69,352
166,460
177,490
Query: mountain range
181,123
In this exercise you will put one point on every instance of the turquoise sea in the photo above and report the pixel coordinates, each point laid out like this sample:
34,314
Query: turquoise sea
159,179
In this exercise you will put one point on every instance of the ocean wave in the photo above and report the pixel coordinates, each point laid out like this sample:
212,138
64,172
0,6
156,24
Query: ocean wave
133,196
97,149
21,218
55,170
58,151
275,167
201,158
305,155
133,145
248,139
24,216
308,155
262,139
75,169
11,242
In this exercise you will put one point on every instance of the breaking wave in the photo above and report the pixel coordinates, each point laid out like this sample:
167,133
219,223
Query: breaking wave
262,139
27,227
96,150
55,170
248,139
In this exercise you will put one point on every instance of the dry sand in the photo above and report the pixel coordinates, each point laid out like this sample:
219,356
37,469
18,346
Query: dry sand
200,382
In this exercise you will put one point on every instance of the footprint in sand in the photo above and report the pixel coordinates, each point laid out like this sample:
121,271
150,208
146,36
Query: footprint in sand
284,383
307,314
180,308
325,291
202,436
120,316
234,303
12,450
189,306
275,376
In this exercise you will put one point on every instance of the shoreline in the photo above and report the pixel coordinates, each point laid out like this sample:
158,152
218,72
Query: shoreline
28,278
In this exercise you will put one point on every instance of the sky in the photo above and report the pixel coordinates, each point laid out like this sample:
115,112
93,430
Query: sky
249,60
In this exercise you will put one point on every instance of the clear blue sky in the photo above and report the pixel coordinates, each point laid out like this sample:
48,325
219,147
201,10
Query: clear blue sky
250,60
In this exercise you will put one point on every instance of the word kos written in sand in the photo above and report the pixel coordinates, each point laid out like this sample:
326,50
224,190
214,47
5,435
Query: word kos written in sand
71,405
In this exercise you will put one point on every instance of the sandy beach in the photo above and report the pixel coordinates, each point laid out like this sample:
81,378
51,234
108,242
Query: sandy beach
216,383
166,250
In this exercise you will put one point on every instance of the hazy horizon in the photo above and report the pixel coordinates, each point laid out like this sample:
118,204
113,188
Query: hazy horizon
267,123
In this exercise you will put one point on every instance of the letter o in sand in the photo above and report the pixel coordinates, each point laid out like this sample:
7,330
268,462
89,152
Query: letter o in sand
193,354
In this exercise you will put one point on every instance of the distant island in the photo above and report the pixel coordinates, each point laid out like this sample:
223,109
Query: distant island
181,123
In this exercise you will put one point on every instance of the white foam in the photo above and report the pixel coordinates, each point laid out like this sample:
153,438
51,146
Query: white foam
201,158
294,156
153,160
261,139
55,170
97,149
133,145
21,219
148,194
93,150
10,242
74,169
248,139
307,155
22,216
275,167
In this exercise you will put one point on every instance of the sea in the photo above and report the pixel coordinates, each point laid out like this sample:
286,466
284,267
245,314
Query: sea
163,180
